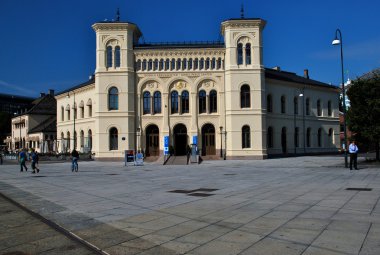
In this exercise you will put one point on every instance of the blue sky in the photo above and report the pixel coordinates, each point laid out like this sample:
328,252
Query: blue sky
50,44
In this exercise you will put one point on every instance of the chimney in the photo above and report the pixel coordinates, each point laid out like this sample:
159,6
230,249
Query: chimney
42,94
51,92
306,73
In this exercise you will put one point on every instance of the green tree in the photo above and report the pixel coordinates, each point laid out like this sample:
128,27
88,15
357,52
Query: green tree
363,116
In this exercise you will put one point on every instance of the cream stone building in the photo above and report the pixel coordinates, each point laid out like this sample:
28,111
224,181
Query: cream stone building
217,95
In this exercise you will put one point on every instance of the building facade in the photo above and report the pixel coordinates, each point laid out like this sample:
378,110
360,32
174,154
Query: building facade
36,127
218,95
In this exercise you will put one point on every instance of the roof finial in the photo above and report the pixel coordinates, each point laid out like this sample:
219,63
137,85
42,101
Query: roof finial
118,15
242,11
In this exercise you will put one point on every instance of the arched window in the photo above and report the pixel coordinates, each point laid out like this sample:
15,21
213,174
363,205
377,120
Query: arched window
320,137
109,56
213,101
207,64
167,64
113,99
81,139
75,111
284,140
296,137
144,65
245,96
172,64
179,64
157,102
331,136
138,65
248,54
174,101
295,101
68,112
150,65
185,102
196,64
201,64
213,63
62,113
184,64
89,145
155,65
117,56
219,63
329,109
202,101
308,137
113,139
246,137
68,140
161,66
307,106
240,54
190,64
270,137
283,104
269,103
319,109
89,104
146,102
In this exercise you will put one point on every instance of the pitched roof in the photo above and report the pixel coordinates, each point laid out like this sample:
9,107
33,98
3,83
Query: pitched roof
89,82
293,77
48,125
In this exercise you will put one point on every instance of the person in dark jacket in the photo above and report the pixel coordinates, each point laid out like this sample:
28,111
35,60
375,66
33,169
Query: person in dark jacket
35,162
22,159
74,160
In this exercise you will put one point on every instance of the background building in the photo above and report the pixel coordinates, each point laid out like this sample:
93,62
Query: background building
36,127
218,95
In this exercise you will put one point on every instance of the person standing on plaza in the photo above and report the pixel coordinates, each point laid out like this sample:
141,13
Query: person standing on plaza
353,150
74,160
22,160
34,162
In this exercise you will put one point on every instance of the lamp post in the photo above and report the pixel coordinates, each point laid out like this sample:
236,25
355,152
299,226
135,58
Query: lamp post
303,120
74,107
298,93
339,41
221,141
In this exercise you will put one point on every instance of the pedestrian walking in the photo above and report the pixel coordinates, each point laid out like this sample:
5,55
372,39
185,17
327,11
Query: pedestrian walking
22,160
35,162
74,160
353,150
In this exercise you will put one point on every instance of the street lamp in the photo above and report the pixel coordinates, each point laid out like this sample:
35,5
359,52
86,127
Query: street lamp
296,140
74,107
339,41
221,141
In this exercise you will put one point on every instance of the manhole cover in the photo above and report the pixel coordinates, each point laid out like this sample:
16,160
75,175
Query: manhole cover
200,194
360,189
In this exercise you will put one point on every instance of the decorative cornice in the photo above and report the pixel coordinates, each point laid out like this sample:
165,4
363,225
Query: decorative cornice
242,23
113,26
179,53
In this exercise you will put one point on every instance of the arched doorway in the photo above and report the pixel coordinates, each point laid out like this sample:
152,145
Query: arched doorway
283,140
180,139
208,140
152,141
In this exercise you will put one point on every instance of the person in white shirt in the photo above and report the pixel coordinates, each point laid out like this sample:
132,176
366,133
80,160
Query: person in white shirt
353,150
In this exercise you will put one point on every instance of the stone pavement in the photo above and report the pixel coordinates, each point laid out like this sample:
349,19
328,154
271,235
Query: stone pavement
277,206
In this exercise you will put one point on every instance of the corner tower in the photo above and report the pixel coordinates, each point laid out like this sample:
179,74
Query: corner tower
114,109
245,88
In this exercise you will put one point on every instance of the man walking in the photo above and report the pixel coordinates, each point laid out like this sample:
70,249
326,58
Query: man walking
353,150
74,160
35,162
22,160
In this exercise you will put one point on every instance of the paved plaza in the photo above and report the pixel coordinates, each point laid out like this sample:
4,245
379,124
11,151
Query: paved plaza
278,206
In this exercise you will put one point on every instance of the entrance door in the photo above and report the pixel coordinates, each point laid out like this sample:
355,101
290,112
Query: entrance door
208,140
180,139
283,140
152,141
